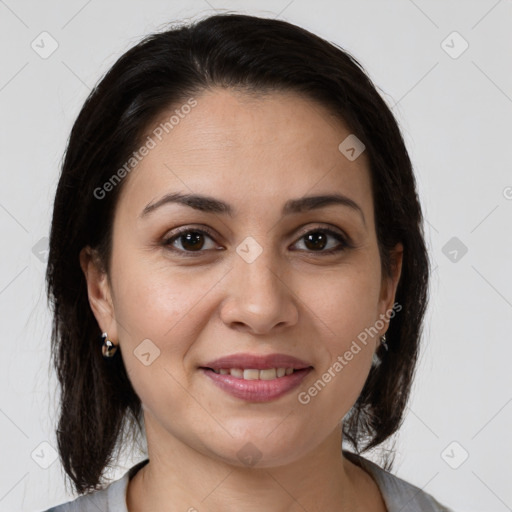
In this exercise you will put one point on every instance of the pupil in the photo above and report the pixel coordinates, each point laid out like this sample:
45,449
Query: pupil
318,240
192,239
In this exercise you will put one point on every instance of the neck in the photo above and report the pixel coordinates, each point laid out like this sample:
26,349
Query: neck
190,480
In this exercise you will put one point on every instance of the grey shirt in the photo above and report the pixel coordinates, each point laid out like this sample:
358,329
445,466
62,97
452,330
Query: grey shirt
399,495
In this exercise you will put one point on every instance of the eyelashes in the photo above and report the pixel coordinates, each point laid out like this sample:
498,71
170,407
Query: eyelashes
184,233
192,242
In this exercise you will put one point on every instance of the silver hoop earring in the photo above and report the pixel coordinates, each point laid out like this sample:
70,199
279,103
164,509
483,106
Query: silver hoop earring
108,349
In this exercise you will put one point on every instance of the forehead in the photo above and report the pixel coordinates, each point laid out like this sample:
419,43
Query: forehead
264,149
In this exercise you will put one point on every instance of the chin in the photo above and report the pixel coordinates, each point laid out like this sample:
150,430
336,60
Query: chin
258,450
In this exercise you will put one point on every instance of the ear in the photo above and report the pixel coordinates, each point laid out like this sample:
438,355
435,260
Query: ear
98,290
390,283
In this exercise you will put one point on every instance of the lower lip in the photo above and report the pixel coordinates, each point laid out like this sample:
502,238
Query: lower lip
257,390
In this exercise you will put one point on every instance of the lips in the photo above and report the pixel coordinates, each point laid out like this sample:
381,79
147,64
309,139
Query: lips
257,362
257,378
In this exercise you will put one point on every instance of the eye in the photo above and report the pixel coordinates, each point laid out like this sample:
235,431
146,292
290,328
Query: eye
186,241
190,239
317,240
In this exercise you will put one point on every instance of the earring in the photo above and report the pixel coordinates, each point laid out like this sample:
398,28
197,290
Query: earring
375,358
108,349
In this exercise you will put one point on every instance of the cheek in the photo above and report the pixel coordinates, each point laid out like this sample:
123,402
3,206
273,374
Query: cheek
345,309
158,301
344,303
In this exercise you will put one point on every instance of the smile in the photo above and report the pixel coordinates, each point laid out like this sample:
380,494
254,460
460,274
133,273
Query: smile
253,373
254,385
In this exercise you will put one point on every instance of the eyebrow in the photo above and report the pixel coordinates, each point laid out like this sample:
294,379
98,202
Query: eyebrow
211,205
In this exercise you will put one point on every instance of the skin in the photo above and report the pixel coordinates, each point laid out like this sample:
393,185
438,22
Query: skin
255,154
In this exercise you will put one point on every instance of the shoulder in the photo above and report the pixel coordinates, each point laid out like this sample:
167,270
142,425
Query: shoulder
110,499
398,494
97,500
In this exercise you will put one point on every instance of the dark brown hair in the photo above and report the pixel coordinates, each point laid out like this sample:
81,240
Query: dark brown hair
98,405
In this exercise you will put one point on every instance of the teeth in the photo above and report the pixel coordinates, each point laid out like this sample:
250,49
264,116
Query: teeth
251,374
269,374
254,374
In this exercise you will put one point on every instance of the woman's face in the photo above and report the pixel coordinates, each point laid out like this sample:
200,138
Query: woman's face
256,284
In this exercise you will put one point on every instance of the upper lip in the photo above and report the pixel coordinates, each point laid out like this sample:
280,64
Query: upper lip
257,362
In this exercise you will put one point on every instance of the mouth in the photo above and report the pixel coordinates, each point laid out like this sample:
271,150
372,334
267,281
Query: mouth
254,373
256,377
255,385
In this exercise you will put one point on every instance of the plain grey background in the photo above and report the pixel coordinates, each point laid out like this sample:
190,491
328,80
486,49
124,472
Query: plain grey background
443,67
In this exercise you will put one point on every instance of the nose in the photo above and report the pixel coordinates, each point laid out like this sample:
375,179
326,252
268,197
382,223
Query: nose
259,296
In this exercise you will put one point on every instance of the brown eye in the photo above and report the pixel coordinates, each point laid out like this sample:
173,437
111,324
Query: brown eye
318,240
193,240
189,240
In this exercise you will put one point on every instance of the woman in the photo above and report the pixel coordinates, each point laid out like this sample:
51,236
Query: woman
236,261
